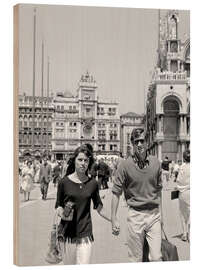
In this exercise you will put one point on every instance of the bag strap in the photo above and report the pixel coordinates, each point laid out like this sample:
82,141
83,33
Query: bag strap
161,209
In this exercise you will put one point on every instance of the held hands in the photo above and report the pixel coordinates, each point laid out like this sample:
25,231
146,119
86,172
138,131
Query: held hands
115,227
59,211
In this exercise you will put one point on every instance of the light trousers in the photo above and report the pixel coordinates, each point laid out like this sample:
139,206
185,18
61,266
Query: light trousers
76,253
141,224
184,206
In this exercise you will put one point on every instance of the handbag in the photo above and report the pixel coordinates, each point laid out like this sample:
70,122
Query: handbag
53,255
174,194
169,251
67,216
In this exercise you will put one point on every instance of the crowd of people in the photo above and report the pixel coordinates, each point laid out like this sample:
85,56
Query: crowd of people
140,177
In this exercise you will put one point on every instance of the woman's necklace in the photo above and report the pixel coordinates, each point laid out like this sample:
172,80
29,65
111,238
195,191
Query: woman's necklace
78,179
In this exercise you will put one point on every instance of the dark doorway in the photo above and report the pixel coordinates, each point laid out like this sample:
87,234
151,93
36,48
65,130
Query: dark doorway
170,129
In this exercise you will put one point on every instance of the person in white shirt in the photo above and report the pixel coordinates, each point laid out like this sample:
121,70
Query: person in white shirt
176,169
183,185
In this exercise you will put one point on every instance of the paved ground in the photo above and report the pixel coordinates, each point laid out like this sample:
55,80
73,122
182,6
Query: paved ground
36,217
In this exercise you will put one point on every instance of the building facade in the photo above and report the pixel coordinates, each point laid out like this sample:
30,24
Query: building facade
129,121
84,119
168,100
43,115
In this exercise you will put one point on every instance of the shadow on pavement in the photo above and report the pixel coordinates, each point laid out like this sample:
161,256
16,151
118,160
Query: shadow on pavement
52,198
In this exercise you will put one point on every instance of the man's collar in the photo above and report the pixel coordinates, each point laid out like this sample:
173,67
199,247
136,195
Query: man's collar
134,157
146,162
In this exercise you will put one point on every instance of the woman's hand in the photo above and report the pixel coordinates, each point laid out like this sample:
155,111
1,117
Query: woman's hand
59,211
115,227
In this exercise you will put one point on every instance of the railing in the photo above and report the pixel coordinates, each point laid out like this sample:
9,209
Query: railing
173,55
170,76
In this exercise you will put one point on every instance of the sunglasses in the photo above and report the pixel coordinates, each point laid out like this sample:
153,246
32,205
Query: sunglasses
137,141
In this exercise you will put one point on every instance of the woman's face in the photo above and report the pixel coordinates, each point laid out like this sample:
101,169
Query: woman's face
81,163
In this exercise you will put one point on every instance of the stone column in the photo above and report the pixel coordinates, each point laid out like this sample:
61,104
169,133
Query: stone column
179,68
168,64
184,125
160,151
182,149
162,123
188,126
181,125
157,124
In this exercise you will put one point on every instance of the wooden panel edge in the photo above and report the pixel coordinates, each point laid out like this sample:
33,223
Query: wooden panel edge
15,134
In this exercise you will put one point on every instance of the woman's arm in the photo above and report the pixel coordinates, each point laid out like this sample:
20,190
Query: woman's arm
102,212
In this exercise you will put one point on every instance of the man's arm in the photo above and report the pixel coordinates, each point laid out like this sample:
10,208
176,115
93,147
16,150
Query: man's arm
40,174
114,209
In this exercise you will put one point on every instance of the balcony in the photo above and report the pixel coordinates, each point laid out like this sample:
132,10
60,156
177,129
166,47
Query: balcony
170,76
173,55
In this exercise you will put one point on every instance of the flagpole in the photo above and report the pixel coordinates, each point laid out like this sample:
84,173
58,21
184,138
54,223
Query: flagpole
42,97
47,137
33,82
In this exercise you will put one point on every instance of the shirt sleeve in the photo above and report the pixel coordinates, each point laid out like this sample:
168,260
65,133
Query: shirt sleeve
119,179
159,178
96,198
60,195
180,179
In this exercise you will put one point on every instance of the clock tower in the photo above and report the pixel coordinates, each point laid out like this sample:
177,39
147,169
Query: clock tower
87,99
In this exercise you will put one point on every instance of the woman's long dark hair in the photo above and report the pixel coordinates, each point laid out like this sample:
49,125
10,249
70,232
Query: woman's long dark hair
71,162
186,156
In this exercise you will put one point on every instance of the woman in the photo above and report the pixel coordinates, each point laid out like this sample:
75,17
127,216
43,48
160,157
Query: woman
183,185
36,170
27,180
78,189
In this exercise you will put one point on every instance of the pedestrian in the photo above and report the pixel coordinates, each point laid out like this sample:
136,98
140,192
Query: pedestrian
139,176
57,173
176,169
64,167
36,170
165,170
45,177
78,189
27,178
103,174
183,185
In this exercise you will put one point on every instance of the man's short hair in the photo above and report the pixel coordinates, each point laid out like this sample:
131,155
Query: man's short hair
137,134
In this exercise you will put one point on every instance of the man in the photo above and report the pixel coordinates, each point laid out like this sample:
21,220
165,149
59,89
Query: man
165,169
176,169
103,174
65,166
56,173
139,176
45,178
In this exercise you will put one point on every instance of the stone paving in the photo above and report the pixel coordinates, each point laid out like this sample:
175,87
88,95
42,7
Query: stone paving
36,218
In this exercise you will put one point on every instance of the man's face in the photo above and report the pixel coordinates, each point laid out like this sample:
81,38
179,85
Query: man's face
45,161
140,148
179,162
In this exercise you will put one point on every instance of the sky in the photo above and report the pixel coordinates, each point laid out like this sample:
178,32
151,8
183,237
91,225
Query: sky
118,46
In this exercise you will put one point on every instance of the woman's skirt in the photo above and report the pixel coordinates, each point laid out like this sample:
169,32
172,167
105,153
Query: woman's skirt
27,183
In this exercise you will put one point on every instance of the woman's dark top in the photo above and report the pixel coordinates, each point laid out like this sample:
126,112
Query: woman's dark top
81,194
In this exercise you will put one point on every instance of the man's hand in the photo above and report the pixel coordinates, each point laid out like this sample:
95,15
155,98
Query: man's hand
115,228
